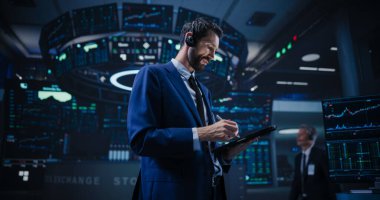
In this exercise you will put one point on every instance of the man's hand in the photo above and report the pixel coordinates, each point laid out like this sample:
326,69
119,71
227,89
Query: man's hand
223,130
233,151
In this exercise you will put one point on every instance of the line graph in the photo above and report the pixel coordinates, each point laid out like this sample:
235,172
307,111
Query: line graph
142,15
355,116
352,113
147,18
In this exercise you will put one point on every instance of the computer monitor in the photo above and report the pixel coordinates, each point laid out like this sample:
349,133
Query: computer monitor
96,19
252,112
91,53
352,132
147,18
257,161
134,51
185,15
40,119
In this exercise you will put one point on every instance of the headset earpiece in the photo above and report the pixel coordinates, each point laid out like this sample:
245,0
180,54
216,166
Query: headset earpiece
189,41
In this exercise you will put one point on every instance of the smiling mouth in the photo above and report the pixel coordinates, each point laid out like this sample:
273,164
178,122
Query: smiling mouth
205,60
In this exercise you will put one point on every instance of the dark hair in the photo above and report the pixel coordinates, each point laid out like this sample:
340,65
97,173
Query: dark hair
200,28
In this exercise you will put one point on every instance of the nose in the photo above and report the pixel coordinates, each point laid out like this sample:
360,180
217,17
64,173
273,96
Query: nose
212,54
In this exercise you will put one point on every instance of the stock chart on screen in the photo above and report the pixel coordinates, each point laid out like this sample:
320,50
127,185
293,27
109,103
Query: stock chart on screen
147,18
232,40
186,15
352,117
352,132
96,19
58,31
257,161
251,111
43,123
352,160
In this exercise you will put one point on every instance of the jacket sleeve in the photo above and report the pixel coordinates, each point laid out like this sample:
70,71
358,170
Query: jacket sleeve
146,137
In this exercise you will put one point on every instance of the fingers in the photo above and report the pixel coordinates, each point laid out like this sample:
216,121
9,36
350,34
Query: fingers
230,127
223,130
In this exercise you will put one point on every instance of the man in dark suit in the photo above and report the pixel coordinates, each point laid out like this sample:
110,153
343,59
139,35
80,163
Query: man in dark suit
311,179
172,128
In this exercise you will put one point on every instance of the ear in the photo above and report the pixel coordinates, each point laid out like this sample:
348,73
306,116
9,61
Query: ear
188,34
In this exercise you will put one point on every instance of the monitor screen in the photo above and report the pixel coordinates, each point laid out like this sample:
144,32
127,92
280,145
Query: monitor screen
257,161
91,53
219,66
352,132
169,49
251,111
63,61
58,31
354,160
96,19
186,15
232,40
40,120
134,51
147,18
355,117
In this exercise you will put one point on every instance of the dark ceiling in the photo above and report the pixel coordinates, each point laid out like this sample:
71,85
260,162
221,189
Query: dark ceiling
267,25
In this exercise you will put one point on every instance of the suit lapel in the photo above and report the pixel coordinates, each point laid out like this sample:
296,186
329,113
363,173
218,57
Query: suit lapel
177,81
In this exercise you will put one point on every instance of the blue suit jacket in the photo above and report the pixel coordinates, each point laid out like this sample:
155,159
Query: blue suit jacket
161,114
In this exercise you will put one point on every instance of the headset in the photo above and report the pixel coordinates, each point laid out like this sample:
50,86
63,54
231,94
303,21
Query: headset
190,40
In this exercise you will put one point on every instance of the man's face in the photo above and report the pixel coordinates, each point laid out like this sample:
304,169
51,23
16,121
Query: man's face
204,51
302,138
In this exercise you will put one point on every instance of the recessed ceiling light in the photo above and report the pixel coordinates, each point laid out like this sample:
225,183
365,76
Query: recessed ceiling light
288,131
308,68
321,69
326,69
310,57
284,83
292,83
300,83
334,48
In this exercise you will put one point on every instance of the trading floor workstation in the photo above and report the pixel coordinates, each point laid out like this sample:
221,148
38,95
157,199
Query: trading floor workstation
67,71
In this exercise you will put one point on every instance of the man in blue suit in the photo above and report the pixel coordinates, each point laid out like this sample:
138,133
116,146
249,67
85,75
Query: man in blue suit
172,128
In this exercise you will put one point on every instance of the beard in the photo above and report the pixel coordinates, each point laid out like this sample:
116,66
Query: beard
195,60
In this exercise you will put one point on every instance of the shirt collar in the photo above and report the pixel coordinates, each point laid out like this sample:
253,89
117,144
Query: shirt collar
307,151
182,69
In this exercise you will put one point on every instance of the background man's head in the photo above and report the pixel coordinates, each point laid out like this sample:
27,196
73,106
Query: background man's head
306,135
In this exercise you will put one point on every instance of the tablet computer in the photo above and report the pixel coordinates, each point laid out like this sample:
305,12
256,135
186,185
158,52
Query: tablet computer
249,136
